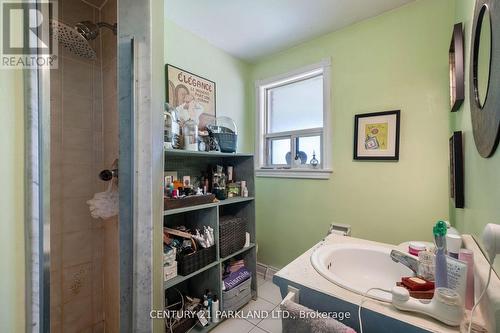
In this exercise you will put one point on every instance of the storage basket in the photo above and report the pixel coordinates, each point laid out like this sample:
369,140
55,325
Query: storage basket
232,231
191,200
187,264
237,297
224,130
182,325
227,142
169,271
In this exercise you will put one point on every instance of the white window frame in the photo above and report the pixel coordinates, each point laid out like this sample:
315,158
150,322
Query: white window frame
323,171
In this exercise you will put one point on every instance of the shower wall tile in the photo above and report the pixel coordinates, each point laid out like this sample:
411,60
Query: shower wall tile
74,223
55,219
97,242
77,111
55,253
76,181
77,315
79,156
109,11
55,288
74,11
55,319
99,327
76,138
110,145
77,282
97,290
109,79
109,48
75,207
55,84
77,77
97,78
76,248
111,275
77,144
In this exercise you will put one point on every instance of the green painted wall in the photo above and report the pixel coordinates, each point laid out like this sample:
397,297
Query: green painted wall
188,51
482,176
398,60
12,314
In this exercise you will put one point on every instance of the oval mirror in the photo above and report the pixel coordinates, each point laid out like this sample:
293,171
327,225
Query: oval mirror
482,50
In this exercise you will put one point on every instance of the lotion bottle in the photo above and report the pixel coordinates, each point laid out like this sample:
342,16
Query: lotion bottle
215,309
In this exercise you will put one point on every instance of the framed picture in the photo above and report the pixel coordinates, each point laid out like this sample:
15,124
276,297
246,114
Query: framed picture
191,95
457,170
456,62
376,136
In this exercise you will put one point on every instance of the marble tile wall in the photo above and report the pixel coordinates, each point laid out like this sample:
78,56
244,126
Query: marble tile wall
84,140
110,132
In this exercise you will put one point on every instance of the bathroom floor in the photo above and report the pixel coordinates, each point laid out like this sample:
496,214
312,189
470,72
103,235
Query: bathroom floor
268,299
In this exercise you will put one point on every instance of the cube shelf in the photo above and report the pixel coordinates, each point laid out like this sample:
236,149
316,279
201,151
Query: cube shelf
189,163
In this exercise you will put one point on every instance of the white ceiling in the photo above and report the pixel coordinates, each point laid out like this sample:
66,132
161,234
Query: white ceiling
249,29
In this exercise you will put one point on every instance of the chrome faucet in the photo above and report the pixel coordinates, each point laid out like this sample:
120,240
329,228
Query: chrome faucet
405,259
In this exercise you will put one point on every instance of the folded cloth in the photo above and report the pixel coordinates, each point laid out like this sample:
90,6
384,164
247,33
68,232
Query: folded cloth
235,266
235,278
298,322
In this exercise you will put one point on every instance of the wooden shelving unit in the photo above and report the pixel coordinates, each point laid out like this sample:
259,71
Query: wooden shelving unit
189,163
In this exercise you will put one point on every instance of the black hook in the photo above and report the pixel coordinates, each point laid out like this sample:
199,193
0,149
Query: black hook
107,175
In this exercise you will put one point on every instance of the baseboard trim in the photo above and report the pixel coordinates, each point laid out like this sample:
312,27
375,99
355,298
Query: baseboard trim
265,271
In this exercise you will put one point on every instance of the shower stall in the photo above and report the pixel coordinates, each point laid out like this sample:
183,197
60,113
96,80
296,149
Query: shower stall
84,251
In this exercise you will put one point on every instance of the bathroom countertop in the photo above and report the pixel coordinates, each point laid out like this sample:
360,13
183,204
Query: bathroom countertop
301,272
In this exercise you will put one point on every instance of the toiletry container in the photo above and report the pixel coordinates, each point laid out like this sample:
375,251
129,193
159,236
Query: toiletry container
237,297
453,245
415,247
215,309
427,266
467,256
172,129
190,135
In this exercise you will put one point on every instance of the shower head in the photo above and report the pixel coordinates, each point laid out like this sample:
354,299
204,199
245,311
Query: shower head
90,30
76,40
72,40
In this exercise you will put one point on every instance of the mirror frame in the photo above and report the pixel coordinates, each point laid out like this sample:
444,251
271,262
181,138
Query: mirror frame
486,117
477,38
456,68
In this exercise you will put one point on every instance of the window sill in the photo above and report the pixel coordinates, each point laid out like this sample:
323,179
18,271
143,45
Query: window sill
294,173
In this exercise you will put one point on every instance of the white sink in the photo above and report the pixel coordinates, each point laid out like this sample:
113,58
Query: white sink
358,268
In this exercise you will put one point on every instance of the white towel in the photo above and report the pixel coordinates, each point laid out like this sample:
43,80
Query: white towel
104,204
295,324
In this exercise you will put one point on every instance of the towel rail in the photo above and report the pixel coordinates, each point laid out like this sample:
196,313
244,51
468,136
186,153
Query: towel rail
293,295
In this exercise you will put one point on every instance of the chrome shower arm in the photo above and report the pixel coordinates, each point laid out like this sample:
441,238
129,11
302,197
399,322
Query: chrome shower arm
112,27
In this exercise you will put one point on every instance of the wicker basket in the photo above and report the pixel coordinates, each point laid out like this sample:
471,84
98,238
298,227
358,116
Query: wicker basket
187,264
183,325
231,234
227,142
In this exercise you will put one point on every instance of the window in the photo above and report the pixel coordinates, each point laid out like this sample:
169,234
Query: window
293,124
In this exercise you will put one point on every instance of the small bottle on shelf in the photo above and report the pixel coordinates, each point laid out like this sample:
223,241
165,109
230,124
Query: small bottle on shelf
215,309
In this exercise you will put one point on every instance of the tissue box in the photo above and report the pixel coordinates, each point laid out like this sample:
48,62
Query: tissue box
169,257
170,271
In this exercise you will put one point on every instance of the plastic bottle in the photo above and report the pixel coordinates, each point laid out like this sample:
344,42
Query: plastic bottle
468,257
441,275
215,309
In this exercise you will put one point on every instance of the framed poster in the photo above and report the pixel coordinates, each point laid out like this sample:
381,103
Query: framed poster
191,95
376,136
457,170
